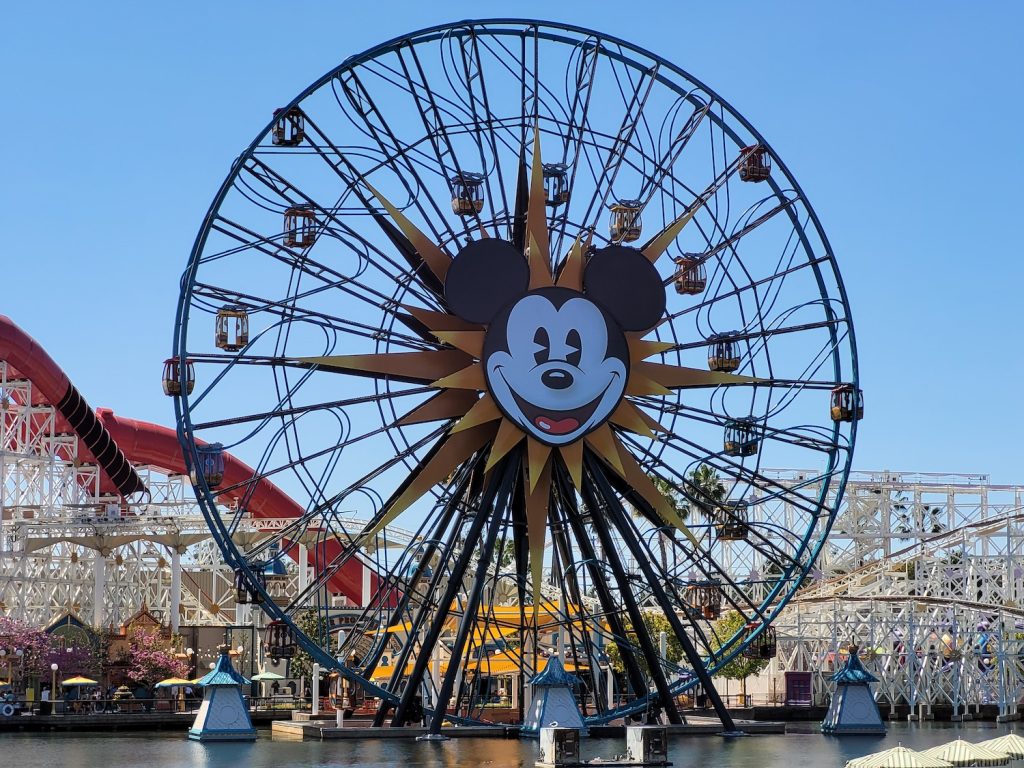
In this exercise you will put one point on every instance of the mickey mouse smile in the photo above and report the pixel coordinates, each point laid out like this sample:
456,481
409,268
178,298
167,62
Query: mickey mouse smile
558,422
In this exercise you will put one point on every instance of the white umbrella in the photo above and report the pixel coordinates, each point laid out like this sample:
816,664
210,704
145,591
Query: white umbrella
962,752
897,757
1011,744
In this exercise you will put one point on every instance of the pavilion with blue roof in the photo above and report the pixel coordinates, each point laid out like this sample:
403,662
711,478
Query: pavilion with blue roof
853,708
223,715
554,700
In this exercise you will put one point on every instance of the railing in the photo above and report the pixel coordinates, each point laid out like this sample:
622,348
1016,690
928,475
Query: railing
87,707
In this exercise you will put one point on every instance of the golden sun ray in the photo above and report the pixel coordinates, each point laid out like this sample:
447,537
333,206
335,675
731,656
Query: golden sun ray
470,342
537,455
537,497
572,455
424,366
441,321
483,410
679,377
641,350
571,275
470,377
446,404
432,255
629,417
538,248
658,244
509,436
452,452
603,441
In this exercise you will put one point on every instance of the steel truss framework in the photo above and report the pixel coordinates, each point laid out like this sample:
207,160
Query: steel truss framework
332,236
924,572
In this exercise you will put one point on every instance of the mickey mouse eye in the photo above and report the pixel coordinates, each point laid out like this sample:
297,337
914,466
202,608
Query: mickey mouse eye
541,339
573,341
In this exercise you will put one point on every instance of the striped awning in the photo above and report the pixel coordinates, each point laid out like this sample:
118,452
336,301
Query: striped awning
1010,744
962,752
897,757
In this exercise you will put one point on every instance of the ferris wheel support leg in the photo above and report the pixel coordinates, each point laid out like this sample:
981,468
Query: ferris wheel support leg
694,659
611,554
571,516
484,510
175,607
497,514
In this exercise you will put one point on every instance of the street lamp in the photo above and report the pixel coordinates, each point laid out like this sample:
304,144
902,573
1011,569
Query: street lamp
605,665
53,687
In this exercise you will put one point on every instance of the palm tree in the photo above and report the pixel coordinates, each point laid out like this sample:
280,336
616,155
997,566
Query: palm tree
706,489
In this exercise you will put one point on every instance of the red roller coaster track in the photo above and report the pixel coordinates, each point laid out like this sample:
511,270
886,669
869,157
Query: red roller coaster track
116,444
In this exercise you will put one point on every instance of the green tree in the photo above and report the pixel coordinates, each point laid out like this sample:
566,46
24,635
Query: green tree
314,625
655,623
741,667
706,489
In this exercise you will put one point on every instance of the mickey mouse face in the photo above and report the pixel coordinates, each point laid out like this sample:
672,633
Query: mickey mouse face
556,363
555,359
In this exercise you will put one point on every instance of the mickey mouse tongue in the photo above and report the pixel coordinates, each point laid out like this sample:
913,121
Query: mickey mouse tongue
556,426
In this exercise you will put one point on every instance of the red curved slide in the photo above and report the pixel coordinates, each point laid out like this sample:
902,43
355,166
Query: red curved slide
115,443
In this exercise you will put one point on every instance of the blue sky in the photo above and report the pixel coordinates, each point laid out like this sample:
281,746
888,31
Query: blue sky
901,122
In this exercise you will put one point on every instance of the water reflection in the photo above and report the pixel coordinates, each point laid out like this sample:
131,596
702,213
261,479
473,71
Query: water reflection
804,748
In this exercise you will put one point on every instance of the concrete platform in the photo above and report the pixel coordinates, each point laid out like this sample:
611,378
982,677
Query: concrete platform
322,730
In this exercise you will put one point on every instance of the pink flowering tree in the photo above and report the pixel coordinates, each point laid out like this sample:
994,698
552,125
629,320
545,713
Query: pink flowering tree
151,659
72,662
34,644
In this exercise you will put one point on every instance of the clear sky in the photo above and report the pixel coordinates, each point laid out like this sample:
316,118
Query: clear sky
901,121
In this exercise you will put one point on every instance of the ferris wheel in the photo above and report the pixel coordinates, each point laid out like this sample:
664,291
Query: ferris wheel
547,302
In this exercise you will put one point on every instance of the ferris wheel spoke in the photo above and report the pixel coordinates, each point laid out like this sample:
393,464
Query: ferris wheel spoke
634,106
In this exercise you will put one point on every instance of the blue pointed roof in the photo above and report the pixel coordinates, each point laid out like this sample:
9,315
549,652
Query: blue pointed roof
223,674
854,673
554,676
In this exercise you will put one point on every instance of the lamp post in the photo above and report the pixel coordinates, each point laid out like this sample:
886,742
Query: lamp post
53,687
605,665
20,653
7,664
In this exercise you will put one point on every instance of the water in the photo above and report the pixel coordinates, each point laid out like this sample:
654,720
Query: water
156,750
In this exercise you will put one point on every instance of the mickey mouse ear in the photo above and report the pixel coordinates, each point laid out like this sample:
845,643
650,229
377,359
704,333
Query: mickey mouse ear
484,277
623,281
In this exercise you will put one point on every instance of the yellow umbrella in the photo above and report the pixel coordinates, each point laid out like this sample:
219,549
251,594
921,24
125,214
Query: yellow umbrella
172,681
1010,744
78,681
962,752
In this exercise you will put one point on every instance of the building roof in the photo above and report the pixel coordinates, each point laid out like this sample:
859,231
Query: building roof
554,676
223,673
854,673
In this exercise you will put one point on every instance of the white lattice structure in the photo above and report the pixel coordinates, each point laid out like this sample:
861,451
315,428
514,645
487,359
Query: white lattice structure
924,572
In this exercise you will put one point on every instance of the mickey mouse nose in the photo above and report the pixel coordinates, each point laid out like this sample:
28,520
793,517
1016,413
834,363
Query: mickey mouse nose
556,378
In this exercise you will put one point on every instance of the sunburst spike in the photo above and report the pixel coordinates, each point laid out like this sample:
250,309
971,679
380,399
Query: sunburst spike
642,484
424,366
661,241
471,377
436,259
628,416
441,321
537,221
470,342
483,410
571,275
537,500
603,441
455,450
641,350
483,231
639,385
537,455
509,436
680,377
448,404
572,455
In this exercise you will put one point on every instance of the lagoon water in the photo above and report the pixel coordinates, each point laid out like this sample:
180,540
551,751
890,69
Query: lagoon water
804,747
